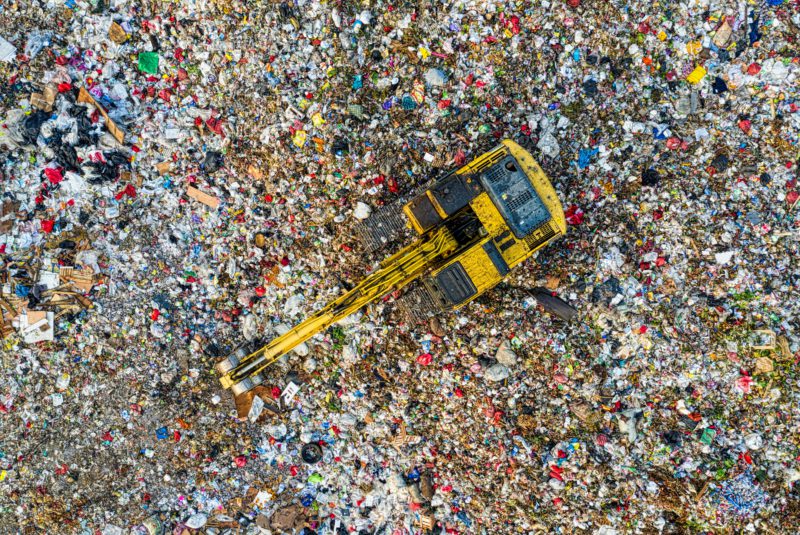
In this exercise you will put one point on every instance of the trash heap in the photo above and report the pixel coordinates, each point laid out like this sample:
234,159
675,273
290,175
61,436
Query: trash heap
179,177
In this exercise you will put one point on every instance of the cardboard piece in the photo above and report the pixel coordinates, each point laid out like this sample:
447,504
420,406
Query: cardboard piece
401,438
255,172
425,522
117,34
127,176
35,316
85,97
82,279
205,198
163,167
6,329
44,101
37,326
8,212
723,34
272,277
8,208
244,403
11,301
11,305
763,365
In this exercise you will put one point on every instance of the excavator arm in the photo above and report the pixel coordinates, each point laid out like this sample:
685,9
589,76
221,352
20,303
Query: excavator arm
241,372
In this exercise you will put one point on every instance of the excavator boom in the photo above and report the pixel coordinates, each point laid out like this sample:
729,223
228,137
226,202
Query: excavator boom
242,375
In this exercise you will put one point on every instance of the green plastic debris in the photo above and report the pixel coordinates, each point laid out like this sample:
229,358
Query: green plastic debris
316,477
708,436
148,62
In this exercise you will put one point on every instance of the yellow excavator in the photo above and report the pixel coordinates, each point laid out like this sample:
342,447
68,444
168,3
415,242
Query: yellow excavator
473,226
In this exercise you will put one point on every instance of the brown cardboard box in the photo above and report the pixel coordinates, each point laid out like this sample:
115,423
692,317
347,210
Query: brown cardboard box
117,34
44,100
163,167
82,279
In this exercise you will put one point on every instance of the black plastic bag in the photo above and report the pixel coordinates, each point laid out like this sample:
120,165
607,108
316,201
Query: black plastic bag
340,146
108,171
650,177
66,156
105,173
86,133
213,162
32,125
554,304
117,158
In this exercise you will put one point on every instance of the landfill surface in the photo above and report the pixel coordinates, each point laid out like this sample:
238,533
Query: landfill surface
182,176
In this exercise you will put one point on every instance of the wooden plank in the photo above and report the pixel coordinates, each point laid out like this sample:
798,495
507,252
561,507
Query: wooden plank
205,198
85,97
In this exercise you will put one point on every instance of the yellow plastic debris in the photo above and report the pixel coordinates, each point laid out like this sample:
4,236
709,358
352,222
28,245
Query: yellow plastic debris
299,138
317,120
696,75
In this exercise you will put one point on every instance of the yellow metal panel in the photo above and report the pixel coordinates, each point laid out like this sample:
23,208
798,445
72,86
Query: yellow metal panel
480,268
436,205
516,253
485,160
489,216
414,223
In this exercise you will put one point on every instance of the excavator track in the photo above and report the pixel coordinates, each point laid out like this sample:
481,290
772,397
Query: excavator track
381,228
416,305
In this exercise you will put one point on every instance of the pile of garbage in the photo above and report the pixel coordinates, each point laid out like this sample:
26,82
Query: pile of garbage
180,177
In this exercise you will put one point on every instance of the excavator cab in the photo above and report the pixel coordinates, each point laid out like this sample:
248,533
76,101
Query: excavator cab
473,226
501,208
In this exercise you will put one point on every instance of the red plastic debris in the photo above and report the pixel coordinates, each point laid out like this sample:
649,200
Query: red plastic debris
53,175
